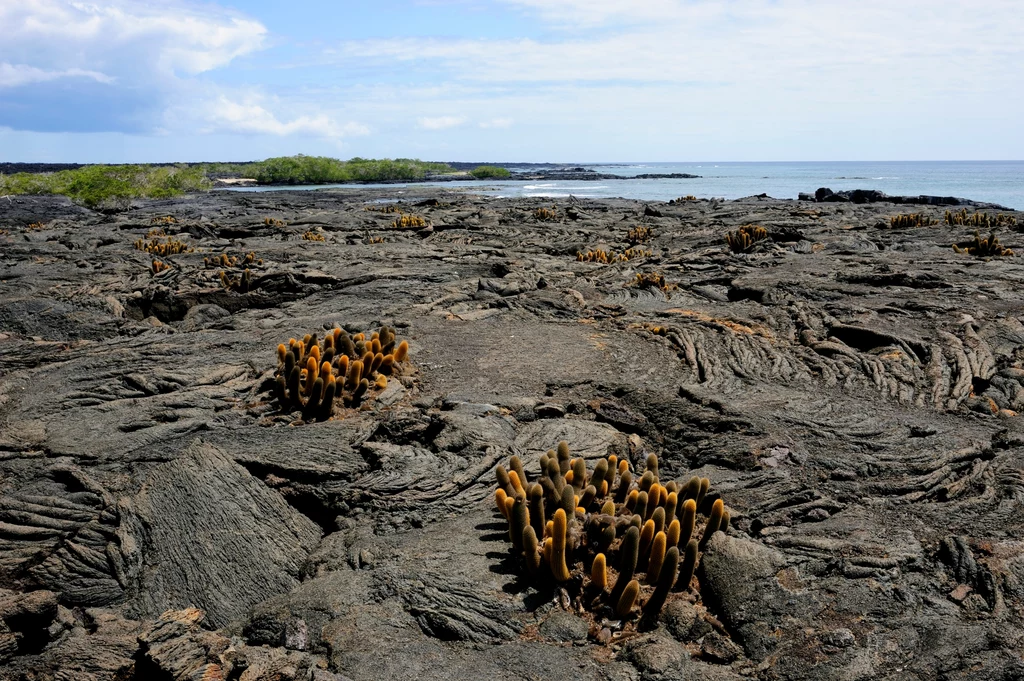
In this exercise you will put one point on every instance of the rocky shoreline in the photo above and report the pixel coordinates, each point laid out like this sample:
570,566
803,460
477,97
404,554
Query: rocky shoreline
848,383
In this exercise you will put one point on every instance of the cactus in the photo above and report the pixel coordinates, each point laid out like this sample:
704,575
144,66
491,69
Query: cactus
519,520
599,573
692,489
689,521
579,474
589,494
628,599
705,485
327,405
629,553
658,518
558,539
745,238
671,501
568,502
567,521
537,518
689,564
714,520
640,508
499,500
531,551
657,557
673,532
625,480
665,582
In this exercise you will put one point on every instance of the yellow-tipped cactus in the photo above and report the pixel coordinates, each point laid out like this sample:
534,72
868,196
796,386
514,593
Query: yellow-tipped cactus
573,531
714,520
657,557
499,499
673,532
664,583
519,520
559,569
688,522
531,551
401,351
628,599
599,573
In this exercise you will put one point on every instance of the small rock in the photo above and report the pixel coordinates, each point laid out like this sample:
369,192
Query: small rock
817,514
679,617
718,648
656,655
960,593
549,410
564,626
366,559
296,634
840,638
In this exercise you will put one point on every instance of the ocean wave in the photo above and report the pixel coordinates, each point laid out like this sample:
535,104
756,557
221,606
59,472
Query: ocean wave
557,195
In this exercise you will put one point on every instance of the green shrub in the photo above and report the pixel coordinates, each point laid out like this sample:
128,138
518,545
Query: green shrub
302,169
109,185
490,173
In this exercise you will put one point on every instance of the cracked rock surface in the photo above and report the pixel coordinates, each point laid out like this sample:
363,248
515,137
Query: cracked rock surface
851,390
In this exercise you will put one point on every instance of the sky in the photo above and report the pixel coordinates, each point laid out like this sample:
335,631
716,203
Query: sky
511,80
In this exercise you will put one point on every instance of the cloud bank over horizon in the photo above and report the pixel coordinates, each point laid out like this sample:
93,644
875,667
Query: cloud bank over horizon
511,80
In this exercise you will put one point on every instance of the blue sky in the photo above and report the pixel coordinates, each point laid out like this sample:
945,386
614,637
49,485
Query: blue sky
511,80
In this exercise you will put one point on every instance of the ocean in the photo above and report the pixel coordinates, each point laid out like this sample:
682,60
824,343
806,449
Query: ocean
1000,182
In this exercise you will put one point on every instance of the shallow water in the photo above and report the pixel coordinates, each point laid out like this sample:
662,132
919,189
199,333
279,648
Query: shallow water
1000,182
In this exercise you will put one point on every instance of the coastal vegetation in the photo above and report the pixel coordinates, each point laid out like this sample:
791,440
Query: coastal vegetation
115,186
109,186
490,173
302,169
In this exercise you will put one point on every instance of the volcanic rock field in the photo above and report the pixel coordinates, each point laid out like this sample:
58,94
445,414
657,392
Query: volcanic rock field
849,388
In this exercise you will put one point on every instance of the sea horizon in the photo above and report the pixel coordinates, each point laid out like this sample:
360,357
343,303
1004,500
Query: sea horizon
996,182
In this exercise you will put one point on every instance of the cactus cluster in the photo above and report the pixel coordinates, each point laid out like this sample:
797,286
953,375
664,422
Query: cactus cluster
743,239
35,226
225,260
163,246
639,235
984,247
408,221
385,208
159,266
609,257
912,220
654,280
310,235
683,199
164,220
315,375
274,222
374,239
612,541
241,283
545,214
962,218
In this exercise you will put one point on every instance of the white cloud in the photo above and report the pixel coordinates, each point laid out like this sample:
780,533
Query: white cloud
441,122
249,114
173,37
765,44
13,75
497,123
